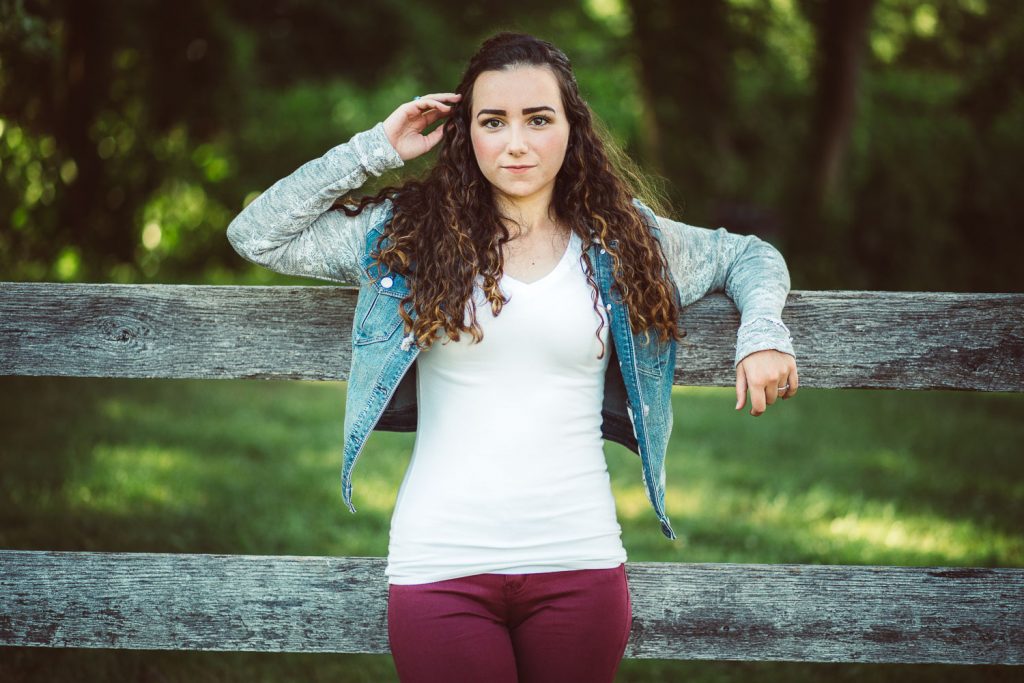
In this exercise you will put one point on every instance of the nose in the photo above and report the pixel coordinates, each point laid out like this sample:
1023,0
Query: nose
517,141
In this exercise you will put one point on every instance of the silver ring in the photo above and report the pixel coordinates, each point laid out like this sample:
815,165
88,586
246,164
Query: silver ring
783,388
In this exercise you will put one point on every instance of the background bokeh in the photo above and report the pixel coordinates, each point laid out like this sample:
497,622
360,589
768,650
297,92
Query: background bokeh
877,143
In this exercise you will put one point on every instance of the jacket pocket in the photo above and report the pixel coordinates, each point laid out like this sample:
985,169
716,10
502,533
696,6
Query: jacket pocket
376,318
653,358
651,367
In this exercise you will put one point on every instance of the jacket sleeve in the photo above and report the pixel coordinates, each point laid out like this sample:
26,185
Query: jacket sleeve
749,270
289,229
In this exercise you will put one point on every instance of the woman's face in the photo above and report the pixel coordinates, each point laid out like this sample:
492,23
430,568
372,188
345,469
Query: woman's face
517,120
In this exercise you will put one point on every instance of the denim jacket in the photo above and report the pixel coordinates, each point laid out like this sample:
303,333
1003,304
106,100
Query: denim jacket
289,229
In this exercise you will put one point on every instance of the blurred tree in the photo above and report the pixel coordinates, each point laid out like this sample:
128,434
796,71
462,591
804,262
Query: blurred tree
684,51
89,88
841,30
933,199
130,133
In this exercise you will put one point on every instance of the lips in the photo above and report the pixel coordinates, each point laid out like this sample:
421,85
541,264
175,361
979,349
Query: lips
517,169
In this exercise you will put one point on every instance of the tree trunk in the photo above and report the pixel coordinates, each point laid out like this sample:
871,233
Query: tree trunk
842,28
685,70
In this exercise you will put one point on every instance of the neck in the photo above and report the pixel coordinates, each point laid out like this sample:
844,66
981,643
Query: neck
528,215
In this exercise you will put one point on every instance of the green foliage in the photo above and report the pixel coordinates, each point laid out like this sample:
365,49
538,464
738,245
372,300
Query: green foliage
128,142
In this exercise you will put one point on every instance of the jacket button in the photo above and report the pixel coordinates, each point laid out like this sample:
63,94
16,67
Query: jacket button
386,282
608,306
603,251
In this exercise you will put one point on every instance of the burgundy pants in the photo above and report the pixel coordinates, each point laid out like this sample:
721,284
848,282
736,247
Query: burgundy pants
560,626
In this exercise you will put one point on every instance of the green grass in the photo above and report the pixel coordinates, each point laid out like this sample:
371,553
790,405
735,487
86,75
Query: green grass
838,477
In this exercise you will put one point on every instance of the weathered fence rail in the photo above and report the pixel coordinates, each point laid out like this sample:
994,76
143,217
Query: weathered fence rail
820,613
895,340
879,340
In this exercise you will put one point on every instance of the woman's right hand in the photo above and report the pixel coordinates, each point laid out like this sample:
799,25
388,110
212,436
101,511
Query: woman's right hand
405,126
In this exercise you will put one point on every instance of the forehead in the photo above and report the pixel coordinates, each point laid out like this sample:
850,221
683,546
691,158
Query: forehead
516,88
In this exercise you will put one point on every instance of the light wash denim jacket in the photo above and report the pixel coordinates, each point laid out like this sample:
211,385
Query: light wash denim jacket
289,229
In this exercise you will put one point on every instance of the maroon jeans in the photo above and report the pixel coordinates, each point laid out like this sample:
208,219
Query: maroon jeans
562,626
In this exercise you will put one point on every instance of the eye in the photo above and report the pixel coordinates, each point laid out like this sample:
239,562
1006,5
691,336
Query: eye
544,121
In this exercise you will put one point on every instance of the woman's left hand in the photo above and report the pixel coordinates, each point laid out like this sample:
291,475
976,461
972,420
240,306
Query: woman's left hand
765,373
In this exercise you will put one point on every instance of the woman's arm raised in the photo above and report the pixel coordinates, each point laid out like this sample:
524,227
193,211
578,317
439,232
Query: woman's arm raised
289,229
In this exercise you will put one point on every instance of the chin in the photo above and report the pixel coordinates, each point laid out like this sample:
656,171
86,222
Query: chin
519,192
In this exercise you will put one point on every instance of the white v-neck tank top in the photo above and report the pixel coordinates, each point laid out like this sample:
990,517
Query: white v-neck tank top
508,474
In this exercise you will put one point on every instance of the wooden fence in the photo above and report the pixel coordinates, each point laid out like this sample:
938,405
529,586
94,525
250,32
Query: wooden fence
821,613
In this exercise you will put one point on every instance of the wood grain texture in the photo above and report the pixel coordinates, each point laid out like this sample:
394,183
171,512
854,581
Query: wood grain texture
904,340
816,613
850,339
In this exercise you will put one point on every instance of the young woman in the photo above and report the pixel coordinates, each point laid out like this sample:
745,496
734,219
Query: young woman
538,298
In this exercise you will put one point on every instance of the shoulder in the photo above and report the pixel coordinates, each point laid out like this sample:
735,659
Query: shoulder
375,217
654,222
645,211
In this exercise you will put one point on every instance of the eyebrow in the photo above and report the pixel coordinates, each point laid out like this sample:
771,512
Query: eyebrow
528,110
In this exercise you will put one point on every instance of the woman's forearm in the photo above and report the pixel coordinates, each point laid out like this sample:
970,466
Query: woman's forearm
289,229
749,270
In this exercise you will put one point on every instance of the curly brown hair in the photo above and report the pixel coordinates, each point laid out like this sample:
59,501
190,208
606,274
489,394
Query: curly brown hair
446,229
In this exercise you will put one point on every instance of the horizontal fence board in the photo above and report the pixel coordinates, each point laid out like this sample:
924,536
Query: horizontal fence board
811,613
851,339
175,331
